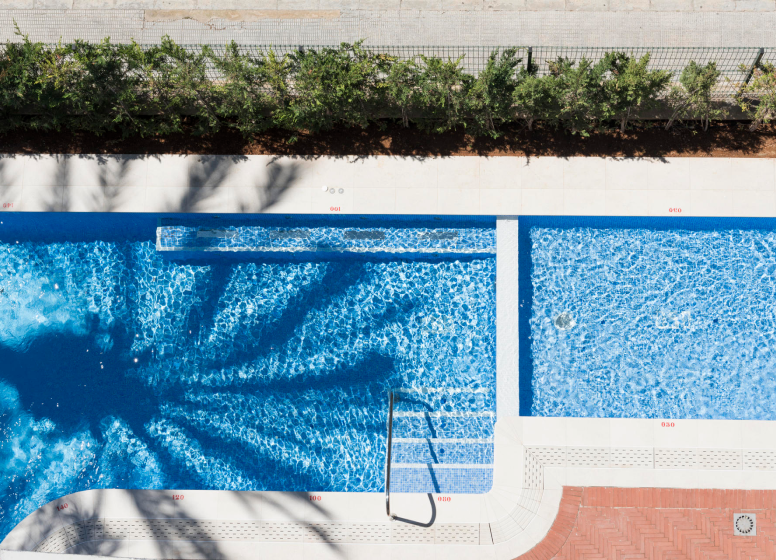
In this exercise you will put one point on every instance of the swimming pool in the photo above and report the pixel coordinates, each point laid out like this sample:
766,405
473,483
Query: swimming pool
648,318
123,366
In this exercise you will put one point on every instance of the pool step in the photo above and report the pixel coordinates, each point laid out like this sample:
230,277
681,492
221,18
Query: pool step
443,440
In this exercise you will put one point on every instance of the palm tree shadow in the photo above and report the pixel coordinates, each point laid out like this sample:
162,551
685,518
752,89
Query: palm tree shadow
428,523
261,197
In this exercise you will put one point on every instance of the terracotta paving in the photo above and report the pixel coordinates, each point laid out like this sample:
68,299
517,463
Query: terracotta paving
658,523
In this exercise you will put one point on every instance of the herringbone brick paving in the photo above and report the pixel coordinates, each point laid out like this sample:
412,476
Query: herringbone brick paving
658,524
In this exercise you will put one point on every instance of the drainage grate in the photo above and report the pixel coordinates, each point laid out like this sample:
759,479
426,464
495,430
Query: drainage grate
745,524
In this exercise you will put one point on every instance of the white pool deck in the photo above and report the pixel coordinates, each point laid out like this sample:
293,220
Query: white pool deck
391,185
534,457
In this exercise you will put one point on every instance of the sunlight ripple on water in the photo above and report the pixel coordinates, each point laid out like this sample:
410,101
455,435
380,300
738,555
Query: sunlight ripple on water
669,324
119,368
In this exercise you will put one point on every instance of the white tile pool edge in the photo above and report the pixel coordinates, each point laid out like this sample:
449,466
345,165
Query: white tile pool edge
507,314
535,458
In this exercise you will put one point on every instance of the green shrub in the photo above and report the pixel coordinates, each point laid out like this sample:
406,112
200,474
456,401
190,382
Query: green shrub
141,91
582,103
490,99
537,99
402,94
252,90
443,87
758,98
631,87
333,86
25,87
692,97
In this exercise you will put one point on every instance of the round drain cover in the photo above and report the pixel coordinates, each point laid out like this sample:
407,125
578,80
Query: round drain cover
744,524
564,321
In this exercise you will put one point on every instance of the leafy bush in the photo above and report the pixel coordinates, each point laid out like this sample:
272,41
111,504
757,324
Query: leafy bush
692,97
758,97
631,87
490,99
537,99
333,86
582,104
107,87
251,89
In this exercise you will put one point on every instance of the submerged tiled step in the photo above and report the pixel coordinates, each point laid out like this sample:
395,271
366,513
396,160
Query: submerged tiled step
442,451
241,237
443,440
444,427
442,479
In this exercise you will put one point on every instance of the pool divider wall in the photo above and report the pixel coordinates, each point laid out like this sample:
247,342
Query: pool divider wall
507,318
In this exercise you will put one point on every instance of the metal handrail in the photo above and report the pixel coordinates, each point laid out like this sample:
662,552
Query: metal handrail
388,458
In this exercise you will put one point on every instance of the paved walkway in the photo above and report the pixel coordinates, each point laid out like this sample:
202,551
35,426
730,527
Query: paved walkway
545,503
588,23
407,5
384,184
655,523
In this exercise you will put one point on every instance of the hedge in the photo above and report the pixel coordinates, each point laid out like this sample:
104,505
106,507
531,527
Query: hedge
106,87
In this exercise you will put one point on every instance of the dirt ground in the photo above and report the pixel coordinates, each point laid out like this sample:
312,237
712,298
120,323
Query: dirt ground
721,140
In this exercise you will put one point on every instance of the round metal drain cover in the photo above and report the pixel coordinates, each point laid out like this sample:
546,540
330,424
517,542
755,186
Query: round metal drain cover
745,524
564,321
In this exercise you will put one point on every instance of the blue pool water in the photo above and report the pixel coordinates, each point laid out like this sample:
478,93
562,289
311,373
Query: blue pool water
123,368
646,319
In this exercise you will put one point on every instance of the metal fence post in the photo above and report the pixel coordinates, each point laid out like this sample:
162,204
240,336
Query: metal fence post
528,60
754,65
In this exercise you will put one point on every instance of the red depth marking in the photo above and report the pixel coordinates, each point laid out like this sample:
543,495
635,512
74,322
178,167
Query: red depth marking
443,498
315,498
177,496
334,208
668,424
61,507
675,210
7,204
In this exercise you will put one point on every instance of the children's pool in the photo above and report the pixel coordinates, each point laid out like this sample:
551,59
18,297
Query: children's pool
639,318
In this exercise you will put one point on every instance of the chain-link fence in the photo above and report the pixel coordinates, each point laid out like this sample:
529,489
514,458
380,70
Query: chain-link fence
473,59
734,63
730,61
